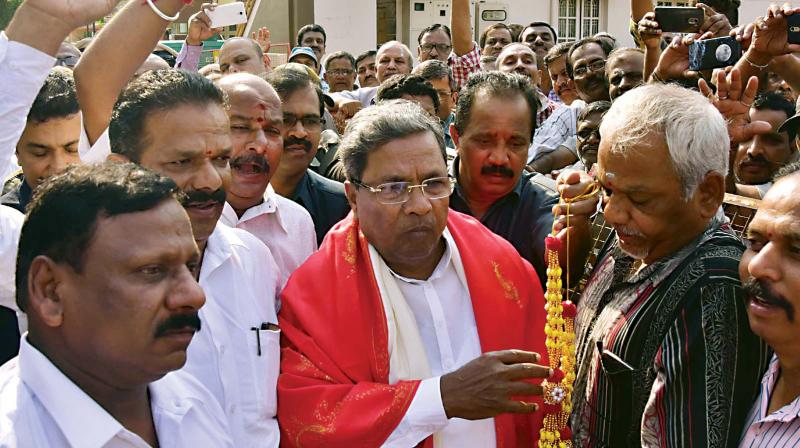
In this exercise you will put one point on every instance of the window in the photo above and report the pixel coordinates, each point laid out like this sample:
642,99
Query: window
673,3
578,19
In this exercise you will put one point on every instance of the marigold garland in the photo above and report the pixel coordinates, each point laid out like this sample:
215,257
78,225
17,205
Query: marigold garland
560,343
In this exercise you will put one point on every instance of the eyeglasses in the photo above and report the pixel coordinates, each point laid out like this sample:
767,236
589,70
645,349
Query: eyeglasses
309,121
594,67
340,72
67,61
440,48
400,192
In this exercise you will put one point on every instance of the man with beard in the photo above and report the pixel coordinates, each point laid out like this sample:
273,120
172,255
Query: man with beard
302,107
175,123
588,134
365,66
541,37
393,58
586,63
494,38
495,120
624,71
759,158
770,271
104,273
256,135
520,58
664,354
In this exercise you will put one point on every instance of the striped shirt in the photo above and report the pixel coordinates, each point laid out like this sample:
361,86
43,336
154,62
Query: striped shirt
777,430
464,65
690,363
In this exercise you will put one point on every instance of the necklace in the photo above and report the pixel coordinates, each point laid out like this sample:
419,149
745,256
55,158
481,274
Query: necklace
559,333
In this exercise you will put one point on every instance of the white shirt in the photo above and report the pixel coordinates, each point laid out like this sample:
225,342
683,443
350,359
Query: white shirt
10,227
443,310
23,70
240,280
366,95
283,225
41,407
558,130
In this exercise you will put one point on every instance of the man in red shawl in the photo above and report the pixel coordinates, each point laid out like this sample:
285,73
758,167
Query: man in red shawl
413,324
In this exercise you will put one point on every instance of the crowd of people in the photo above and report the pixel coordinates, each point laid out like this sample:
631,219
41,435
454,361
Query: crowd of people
349,250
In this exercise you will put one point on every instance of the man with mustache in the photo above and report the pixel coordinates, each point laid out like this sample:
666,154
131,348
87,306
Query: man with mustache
769,272
759,158
256,121
588,135
664,354
456,49
340,71
365,66
494,124
302,107
541,37
175,123
494,38
586,63
624,71
520,58
413,325
104,273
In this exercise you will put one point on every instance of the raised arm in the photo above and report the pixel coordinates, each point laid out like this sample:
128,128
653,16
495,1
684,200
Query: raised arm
766,39
113,57
34,35
460,27
639,8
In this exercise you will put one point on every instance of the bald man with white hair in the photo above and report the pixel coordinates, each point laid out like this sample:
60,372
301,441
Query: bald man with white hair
665,355
393,58
251,204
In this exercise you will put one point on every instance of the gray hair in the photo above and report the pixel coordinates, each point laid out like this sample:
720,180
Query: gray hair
695,132
378,125
435,69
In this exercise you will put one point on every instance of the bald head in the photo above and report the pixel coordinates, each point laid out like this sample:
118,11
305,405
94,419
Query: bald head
393,58
246,84
153,62
242,54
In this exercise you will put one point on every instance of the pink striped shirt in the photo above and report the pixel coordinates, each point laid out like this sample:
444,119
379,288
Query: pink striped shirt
777,430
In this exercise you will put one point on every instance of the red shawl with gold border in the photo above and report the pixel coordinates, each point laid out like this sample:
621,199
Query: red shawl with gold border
333,388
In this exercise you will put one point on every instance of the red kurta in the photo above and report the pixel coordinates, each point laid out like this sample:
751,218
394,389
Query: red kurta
333,389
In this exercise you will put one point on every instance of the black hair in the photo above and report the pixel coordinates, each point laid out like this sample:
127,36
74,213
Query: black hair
398,85
592,108
549,27
313,28
57,97
556,52
286,82
778,102
585,41
432,28
496,26
155,91
365,55
435,69
340,55
64,211
496,84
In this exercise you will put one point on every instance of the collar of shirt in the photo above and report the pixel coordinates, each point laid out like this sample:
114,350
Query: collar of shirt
440,269
785,414
268,206
218,249
83,422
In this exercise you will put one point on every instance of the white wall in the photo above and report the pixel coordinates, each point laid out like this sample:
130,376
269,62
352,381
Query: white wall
351,25
750,9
